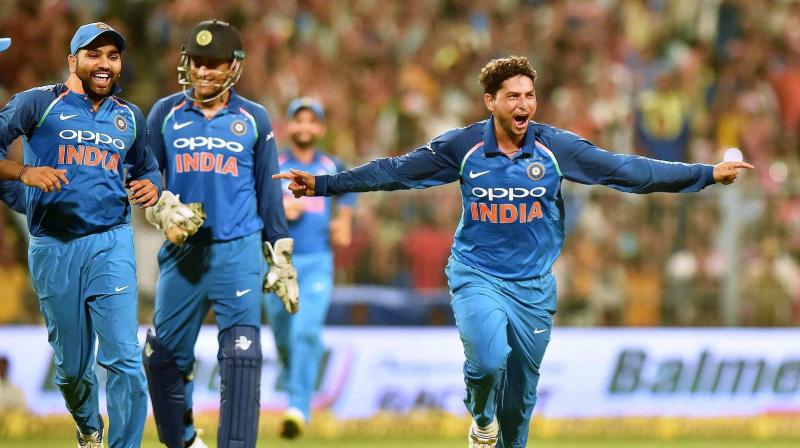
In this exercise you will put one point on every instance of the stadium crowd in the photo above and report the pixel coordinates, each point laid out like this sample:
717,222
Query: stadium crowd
679,81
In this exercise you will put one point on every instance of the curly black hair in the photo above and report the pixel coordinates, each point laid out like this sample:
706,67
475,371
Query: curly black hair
498,70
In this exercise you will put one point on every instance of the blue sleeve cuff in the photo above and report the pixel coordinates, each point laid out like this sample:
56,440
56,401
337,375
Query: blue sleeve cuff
709,170
321,185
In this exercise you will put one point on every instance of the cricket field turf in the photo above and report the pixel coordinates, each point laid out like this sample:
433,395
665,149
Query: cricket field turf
437,430
351,442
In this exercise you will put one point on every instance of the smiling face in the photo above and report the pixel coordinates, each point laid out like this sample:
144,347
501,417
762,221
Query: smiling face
208,75
305,128
513,106
98,66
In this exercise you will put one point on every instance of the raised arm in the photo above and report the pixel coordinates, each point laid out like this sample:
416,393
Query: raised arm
581,161
431,165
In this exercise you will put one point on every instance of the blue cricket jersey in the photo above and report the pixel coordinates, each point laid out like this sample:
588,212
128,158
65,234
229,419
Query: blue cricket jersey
311,231
512,224
13,194
100,150
226,162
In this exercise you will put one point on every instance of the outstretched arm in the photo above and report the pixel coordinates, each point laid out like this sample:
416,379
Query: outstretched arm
726,172
581,161
428,166
301,183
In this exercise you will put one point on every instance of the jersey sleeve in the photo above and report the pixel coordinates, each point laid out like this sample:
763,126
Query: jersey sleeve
268,191
344,199
20,116
581,161
155,135
434,164
13,194
140,158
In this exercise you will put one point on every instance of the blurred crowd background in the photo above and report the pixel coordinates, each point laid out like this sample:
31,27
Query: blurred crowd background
675,80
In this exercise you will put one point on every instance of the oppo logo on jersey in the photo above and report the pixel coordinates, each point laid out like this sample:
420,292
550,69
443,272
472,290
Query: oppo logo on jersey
510,193
506,213
205,162
209,143
96,138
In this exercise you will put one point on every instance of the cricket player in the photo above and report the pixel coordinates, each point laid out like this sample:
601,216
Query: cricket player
217,148
510,169
313,227
11,192
82,147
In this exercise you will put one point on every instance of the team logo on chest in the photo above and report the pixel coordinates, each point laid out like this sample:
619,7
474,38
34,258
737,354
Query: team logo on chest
120,123
535,171
238,127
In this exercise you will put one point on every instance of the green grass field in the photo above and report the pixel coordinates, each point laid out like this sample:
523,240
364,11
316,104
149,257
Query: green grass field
315,442
429,430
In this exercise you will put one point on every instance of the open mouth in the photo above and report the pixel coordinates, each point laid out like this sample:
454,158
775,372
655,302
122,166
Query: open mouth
521,120
101,79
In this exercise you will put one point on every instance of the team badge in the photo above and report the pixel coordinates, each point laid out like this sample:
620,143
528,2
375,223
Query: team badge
120,123
536,171
238,127
103,26
204,38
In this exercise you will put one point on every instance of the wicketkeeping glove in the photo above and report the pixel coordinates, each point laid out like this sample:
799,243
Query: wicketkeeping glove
281,279
176,220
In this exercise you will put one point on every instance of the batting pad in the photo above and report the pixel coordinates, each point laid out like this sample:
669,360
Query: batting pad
240,371
167,391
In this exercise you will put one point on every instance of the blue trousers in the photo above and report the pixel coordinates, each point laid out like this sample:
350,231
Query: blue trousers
87,291
505,335
298,337
198,276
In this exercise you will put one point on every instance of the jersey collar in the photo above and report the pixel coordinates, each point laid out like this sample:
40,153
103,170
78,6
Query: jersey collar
63,86
491,149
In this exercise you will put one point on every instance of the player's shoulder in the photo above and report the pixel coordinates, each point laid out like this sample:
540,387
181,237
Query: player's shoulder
547,133
546,130
245,105
162,107
41,94
459,140
464,134
169,101
562,143
122,102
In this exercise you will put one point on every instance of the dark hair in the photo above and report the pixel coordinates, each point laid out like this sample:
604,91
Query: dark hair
498,70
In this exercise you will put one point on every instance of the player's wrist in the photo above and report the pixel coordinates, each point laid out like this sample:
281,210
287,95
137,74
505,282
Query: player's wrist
22,172
321,185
